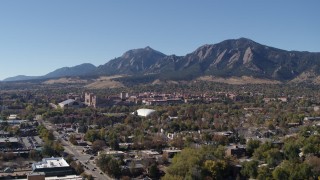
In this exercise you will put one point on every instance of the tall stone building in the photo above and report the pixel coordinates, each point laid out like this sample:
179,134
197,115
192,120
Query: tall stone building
90,99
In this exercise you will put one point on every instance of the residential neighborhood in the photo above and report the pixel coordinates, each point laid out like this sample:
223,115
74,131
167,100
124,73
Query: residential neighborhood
143,134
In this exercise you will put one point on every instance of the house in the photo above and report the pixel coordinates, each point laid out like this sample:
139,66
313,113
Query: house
283,99
125,145
82,143
170,152
224,133
113,153
293,124
133,167
68,130
311,118
149,153
13,117
236,150
8,170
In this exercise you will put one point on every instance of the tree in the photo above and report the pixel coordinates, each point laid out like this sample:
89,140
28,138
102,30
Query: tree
87,176
69,158
314,163
57,147
311,145
302,171
170,177
280,173
110,165
250,169
8,156
292,170
112,139
264,173
216,168
73,139
102,133
47,150
114,168
77,167
50,136
189,163
220,139
91,135
103,161
273,157
260,152
177,141
98,145
154,171
291,150
34,155
183,162
219,152
251,146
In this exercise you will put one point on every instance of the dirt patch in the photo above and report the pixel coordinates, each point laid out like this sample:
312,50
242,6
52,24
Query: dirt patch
307,77
105,82
159,82
238,80
66,81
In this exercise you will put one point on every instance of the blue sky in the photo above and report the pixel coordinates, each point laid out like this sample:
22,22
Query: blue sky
39,36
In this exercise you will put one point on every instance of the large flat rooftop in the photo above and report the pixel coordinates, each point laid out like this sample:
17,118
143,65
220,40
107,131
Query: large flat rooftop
9,139
51,163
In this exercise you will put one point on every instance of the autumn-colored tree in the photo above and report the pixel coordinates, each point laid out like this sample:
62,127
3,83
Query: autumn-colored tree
77,167
217,168
98,145
73,139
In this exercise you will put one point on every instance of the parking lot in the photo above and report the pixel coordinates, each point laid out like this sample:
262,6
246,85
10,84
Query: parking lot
31,142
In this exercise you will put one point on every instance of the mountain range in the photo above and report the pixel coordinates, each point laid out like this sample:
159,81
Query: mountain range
79,70
229,58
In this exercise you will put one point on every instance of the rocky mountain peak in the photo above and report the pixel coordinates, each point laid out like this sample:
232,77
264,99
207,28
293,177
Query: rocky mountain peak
147,51
234,57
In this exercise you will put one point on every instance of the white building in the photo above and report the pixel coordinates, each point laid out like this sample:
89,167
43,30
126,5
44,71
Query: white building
13,117
53,167
41,176
70,103
113,153
144,112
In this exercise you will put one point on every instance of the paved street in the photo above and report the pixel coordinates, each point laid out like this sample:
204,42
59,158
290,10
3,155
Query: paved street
76,151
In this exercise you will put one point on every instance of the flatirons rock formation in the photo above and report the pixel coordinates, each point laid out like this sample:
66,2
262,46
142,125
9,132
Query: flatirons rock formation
229,58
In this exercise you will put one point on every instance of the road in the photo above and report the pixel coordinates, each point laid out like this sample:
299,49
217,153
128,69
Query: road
76,151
